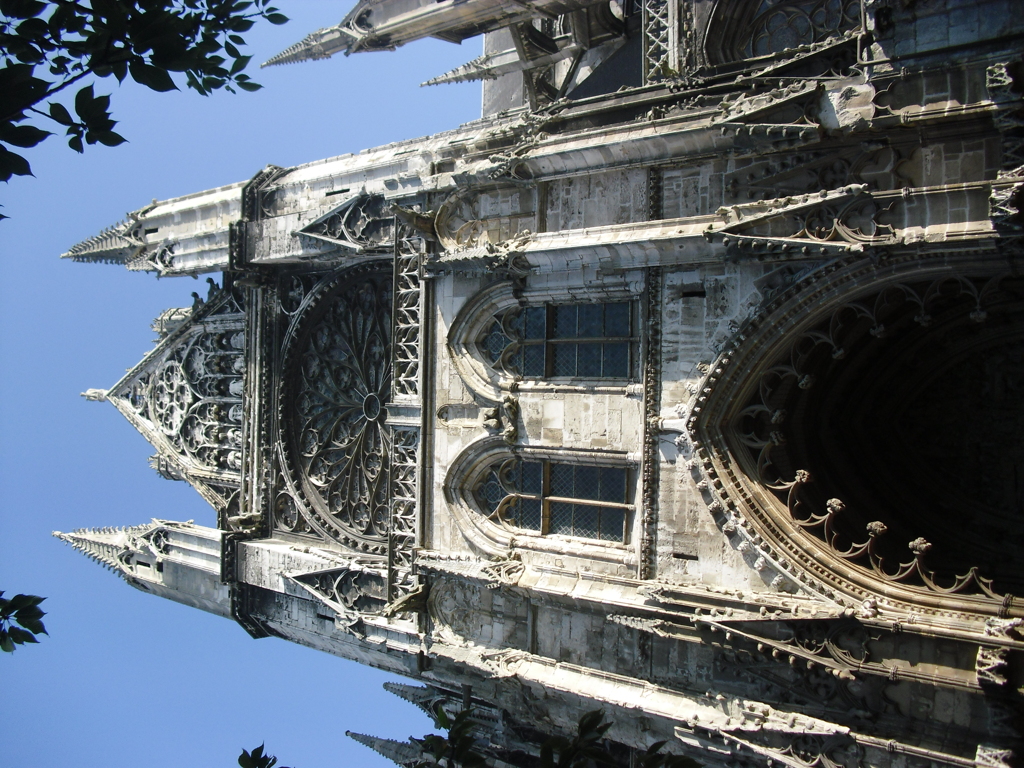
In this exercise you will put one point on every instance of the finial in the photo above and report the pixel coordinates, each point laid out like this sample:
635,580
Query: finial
402,753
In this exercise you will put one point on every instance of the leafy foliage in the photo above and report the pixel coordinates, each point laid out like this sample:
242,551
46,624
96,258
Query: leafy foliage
459,748
48,45
588,749
24,611
653,758
256,759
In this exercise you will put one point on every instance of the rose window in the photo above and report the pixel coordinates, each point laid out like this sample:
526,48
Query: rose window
337,383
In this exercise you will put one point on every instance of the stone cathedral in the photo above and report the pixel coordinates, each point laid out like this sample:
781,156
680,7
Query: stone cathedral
686,384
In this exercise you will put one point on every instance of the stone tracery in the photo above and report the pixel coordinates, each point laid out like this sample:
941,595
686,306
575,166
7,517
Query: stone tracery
186,397
750,30
337,382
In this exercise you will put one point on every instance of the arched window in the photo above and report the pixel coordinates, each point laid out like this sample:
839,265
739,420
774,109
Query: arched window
546,341
553,497
741,29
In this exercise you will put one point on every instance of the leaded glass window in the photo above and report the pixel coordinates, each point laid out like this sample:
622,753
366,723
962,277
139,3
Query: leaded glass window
583,500
589,341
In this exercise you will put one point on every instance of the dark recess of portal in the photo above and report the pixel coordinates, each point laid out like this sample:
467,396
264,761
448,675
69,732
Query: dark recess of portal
917,426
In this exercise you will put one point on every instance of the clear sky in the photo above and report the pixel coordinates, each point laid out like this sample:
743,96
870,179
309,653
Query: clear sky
126,679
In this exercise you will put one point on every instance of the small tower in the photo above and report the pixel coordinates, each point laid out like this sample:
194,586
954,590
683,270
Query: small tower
402,753
179,561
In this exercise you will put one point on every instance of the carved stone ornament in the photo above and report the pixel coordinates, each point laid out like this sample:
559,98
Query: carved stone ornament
185,397
452,606
359,222
351,593
504,419
886,379
336,382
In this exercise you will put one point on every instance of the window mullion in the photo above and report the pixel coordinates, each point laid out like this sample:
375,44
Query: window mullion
545,512
588,502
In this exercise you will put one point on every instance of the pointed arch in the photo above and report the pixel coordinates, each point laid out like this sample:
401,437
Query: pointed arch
185,396
828,434
508,337
594,522
741,29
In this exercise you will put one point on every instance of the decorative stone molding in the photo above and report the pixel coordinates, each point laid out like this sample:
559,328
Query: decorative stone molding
185,397
652,404
745,504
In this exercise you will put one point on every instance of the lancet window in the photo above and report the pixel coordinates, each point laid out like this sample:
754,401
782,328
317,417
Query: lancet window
551,497
591,341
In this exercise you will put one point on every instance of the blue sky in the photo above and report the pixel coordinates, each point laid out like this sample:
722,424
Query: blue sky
126,679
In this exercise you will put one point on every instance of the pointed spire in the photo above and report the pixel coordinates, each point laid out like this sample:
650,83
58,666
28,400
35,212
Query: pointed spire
420,695
479,68
491,66
116,244
321,44
111,246
104,545
402,753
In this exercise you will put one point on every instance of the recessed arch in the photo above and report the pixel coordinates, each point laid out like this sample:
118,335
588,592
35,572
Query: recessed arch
824,422
741,29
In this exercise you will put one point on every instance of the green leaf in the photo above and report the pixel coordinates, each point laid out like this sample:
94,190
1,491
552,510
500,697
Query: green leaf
240,63
85,101
21,9
154,78
12,164
21,136
110,139
30,612
247,85
21,636
32,625
6,644
277,18
27,605
75,142
60,113
20,88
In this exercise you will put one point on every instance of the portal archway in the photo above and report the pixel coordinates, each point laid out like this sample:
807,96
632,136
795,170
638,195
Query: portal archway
866,426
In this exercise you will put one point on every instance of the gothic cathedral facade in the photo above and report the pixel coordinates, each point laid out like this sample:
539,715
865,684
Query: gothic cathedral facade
635,394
